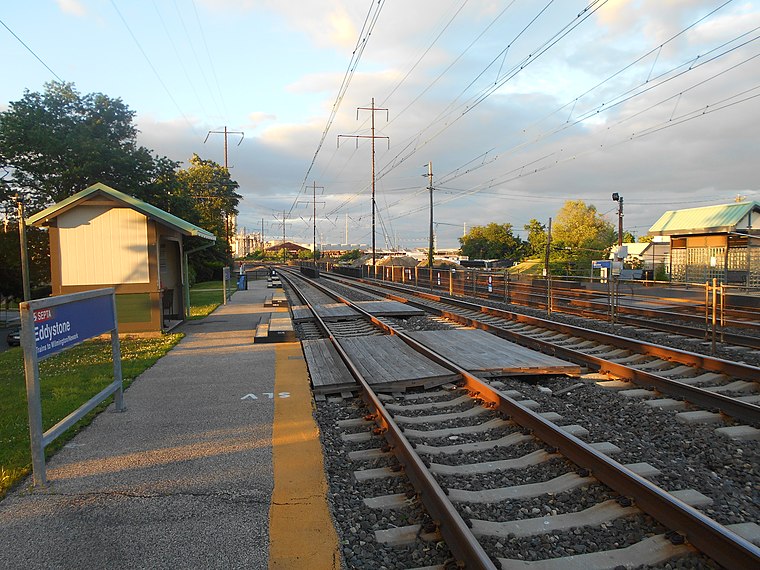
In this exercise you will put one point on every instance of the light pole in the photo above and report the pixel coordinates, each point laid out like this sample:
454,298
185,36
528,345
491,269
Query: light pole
619,199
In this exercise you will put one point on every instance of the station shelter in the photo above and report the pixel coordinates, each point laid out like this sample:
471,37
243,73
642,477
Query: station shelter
101,237
721,242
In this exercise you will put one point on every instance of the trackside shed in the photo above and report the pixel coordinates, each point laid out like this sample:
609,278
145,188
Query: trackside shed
721,242
101,237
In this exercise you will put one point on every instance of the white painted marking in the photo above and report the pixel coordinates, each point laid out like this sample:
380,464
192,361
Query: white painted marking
269,396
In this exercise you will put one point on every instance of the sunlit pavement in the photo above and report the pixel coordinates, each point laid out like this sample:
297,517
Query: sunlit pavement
182,479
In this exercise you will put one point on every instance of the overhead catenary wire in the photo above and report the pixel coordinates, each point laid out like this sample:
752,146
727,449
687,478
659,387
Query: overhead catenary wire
607,107
369,23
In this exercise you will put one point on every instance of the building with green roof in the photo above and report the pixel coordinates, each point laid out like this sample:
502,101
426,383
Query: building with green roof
713,242
101,237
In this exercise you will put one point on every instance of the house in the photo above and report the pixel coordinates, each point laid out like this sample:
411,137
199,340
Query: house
646,256
713,242
292,249
101,237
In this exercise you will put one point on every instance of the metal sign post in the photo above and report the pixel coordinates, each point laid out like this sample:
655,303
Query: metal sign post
225,280
50,326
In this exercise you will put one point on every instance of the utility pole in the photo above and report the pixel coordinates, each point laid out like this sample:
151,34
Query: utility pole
225,132
24,249
372,136
314,215
430,187
284,218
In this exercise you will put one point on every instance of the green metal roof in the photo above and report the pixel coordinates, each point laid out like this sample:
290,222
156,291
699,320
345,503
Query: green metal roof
708,219
148,210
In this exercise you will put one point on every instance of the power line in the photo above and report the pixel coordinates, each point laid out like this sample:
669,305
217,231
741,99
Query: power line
30,50
179,58
199,67
210,61
150,64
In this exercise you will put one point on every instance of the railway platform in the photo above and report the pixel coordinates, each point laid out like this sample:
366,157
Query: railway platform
215,464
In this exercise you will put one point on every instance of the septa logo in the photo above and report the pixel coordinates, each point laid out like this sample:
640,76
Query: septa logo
42,315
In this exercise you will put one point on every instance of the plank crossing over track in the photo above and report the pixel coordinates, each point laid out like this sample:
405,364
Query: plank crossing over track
482,353
335,311
387,361
329,374
389,309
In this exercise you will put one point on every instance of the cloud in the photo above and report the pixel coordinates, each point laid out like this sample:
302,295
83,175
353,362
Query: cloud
258,117
73,7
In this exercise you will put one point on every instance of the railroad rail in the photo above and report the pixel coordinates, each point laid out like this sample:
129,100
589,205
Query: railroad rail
703,533
639,308
680,373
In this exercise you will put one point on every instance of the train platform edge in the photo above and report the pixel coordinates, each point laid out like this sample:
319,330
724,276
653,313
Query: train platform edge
215,464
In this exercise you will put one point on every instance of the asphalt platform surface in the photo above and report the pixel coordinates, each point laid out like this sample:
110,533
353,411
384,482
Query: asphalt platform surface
182,479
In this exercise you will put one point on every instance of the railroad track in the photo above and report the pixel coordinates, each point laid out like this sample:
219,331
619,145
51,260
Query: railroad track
728,387
478,460
740,327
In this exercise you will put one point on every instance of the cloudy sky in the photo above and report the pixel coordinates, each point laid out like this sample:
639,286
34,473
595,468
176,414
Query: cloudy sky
519,105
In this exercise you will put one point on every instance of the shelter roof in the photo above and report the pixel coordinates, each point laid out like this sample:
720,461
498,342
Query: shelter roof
148,210
707,219
289,245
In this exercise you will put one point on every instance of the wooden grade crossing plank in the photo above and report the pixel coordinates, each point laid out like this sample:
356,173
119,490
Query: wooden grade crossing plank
328,372
482,353
335,311
389,309
388,362
301,313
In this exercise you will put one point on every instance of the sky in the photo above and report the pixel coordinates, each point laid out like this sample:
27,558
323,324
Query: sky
518,106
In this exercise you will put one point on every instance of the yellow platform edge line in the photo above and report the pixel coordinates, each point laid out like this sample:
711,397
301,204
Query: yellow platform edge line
301,530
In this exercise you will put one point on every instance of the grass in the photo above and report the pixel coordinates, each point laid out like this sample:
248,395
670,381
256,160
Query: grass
207,296
67,380
528,267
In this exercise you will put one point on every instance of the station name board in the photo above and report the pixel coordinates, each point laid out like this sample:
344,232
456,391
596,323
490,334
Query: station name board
60,327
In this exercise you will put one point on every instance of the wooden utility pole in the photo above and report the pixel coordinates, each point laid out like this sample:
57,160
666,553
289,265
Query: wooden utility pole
372,136
24,250
225,132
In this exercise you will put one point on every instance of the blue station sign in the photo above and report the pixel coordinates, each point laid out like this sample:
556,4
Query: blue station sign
63,326
601,264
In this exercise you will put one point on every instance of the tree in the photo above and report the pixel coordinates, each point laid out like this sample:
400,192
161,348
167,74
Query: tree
352,255
494,241
11,282
58,142
536,238
208,186
579,235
